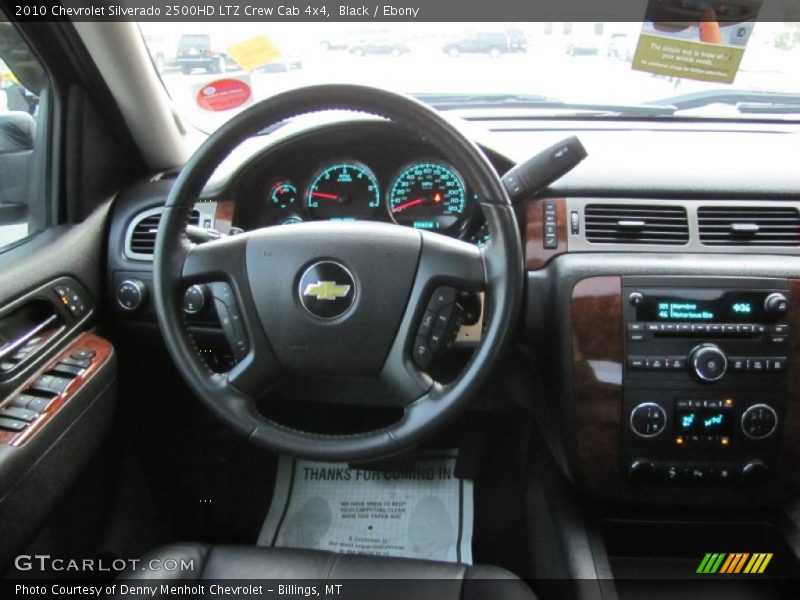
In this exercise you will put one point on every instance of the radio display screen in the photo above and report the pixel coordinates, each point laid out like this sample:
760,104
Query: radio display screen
703,421
703,307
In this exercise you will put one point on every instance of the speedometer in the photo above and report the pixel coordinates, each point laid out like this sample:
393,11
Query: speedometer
346,190
427,195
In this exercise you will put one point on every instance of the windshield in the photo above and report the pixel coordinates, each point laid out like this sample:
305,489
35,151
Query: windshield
743,70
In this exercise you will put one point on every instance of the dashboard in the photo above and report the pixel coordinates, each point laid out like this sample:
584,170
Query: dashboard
618,388
364,174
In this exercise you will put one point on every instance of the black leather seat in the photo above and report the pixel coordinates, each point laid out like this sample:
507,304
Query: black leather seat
360,576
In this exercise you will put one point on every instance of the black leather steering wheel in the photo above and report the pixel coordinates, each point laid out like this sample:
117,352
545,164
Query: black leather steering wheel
382,277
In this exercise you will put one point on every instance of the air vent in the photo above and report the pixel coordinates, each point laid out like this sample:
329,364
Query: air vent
636,224
749,226
140,242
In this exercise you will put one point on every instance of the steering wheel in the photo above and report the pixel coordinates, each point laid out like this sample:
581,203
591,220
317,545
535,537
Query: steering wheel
337,298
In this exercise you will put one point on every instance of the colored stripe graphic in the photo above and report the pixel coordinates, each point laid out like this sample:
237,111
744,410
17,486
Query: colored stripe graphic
734,563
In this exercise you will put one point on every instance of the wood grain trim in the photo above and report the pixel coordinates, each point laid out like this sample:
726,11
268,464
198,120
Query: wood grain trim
789,456
223,218
532,215
103,351
597,396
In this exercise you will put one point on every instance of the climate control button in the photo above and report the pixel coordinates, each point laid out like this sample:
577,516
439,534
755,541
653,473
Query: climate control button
648,420
708,362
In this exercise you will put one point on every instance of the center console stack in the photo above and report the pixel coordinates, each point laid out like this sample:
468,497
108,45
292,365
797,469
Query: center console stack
705,380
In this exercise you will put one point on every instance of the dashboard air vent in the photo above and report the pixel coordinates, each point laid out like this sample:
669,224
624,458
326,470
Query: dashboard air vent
636,224
749,225
141,239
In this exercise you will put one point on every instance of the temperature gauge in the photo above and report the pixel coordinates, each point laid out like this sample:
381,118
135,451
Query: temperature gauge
283,195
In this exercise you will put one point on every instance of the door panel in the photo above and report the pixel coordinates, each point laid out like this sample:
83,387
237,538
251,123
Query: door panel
57,376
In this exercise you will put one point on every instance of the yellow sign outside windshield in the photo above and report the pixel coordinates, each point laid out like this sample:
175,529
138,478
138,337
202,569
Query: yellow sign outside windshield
254,52
691,60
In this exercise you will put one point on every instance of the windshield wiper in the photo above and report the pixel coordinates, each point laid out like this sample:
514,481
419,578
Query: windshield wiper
744,101
540,102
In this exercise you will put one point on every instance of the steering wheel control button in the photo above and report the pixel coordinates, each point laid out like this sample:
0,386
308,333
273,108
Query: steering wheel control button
442,296
708,362
230,319
648,420
194,300
327,289
421,353
426,324
759,421
131,294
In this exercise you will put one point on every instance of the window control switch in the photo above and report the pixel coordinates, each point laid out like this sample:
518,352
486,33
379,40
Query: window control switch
22,414
66,370
12,424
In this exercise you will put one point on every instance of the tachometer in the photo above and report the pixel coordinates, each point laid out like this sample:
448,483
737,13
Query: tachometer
343,191
427,195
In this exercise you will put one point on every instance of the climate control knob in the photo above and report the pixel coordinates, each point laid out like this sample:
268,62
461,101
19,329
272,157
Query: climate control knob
759,421
648,419
708,362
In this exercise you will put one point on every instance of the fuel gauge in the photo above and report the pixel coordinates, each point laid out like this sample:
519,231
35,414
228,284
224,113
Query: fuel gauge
283,195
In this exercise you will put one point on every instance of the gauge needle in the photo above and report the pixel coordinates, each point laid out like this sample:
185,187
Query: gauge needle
409,204
325,196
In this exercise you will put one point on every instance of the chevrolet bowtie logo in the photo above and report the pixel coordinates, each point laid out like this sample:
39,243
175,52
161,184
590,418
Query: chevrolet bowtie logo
326,290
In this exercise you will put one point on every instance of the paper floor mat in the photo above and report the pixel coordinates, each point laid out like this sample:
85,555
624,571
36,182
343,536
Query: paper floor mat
424,513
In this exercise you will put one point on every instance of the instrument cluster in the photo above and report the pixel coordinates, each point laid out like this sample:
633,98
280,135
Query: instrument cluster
425,194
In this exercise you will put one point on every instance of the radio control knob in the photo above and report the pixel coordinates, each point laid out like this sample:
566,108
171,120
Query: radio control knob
636,298
708,362
776,305
648,419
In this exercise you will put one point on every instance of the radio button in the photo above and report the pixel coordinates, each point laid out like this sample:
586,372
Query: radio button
669,328
635,326
648,420
745,328
729,328
708,362
777,363
759,421
757,364
777,339
655,364
636,363
715,329
637,337
738,363
760,329
699,328
783,328
676,363
684,327
653,327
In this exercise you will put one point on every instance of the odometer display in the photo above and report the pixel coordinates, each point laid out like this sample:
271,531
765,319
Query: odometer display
427,195
343,191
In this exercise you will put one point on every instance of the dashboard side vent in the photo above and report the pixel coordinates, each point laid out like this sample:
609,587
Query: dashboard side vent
140,241
636,224
749,226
